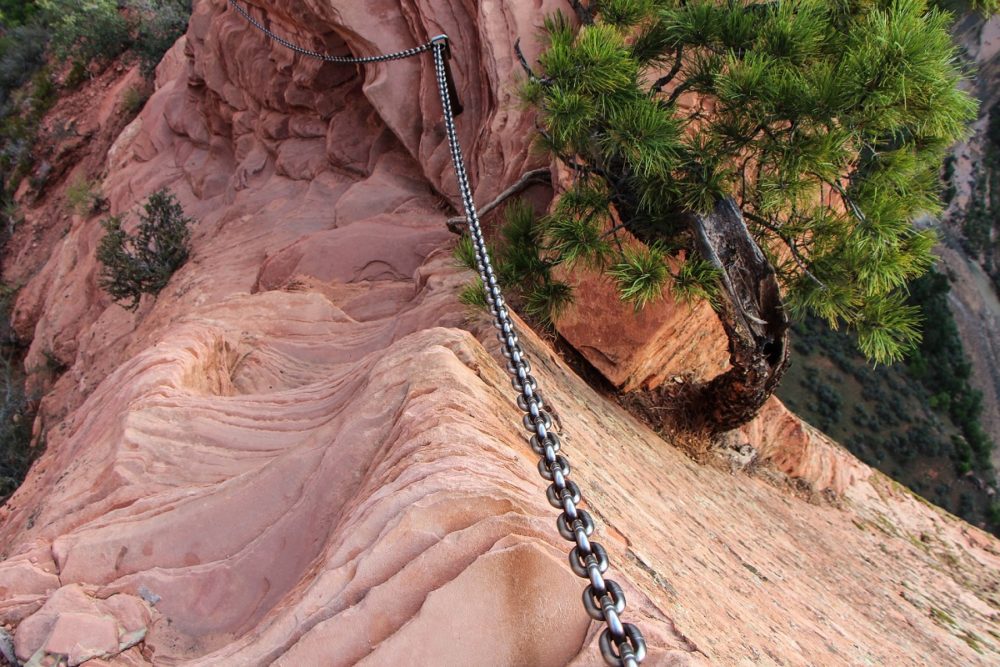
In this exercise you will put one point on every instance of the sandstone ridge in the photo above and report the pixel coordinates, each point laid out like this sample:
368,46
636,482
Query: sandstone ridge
305,451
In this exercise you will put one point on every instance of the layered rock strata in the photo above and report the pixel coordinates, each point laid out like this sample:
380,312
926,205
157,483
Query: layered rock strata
305,450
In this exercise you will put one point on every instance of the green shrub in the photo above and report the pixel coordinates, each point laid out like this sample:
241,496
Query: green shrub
858,100
19,122
15,13
472,294
948,180
16,408
981,223
966,506
82,196
941,365
993,514
134,99
10,218
87,30
8,295
77,74
143,264
961,454
16,452
828,406
22,53
465,253
82,32
43,94
161,23
101,30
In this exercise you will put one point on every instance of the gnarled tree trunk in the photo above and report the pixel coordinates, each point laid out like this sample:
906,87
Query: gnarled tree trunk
751,312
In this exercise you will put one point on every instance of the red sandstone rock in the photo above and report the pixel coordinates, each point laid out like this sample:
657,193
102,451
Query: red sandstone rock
74,623
801,451
305,450
669,340
644,349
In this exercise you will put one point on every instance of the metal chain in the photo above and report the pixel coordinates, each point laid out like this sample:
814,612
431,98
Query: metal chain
621,644
347,60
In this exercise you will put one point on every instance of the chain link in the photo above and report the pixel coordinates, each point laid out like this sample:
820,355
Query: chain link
621,644
347,60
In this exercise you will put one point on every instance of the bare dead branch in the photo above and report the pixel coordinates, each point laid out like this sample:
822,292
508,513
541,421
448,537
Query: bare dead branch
458,224
669,76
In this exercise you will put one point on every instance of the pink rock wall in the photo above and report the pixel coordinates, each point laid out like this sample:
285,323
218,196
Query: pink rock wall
305,451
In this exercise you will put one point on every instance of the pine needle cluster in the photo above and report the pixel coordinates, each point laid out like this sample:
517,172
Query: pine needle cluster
522,271
133,265
826,120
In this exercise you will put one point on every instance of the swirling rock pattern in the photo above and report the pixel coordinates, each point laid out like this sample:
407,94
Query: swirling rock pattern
305,450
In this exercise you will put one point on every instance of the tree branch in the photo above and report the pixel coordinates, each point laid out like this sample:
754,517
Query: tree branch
678,91
571,162
858,213
577,166
614,231
584,14
669,76
457,224
743,177
706,248
544,80
521,59
789,242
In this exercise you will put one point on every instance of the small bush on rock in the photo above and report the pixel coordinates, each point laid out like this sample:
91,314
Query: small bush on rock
134,99
520,270
143,263
160,24
82,196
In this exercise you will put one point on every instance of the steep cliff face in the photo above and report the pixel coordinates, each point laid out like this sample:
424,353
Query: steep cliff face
305,451
974,296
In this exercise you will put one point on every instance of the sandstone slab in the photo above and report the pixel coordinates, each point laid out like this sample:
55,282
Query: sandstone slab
74,623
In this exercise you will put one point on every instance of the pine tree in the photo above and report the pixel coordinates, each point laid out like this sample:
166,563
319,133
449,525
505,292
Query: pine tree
133,265
790,188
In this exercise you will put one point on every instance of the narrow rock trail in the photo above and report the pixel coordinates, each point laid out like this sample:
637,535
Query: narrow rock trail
306,452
